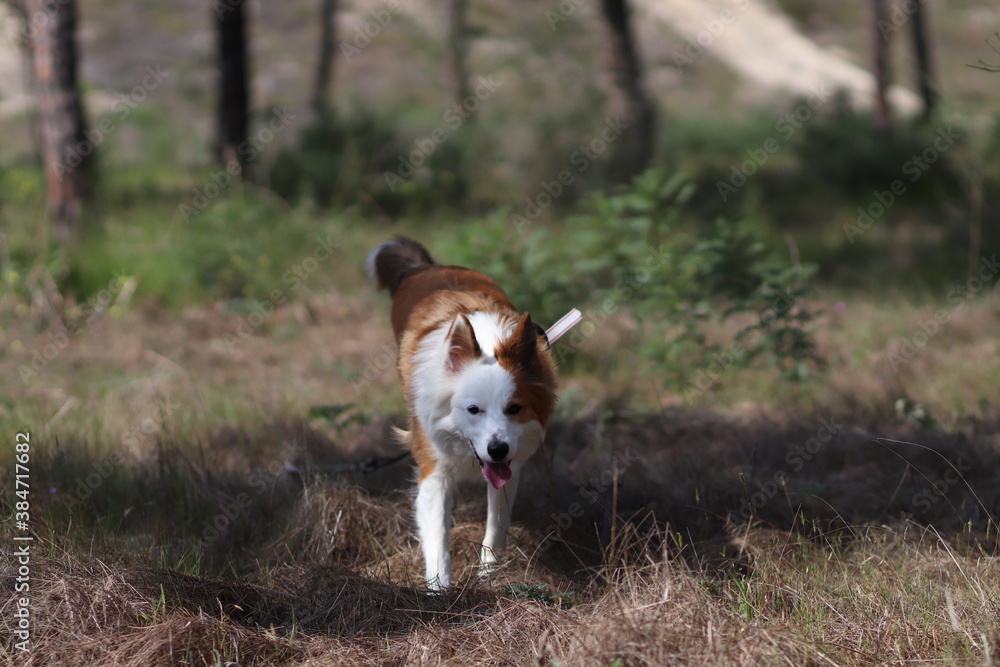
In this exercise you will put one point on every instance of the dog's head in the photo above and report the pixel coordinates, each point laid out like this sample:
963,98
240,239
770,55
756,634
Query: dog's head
502,400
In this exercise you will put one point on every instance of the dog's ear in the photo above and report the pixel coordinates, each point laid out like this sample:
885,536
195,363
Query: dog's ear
462,344
525,338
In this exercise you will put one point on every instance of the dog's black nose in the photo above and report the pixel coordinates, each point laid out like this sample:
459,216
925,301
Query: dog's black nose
497,450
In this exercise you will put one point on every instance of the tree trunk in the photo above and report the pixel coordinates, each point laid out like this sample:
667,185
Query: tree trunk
880,63
23,42
324,66
922,53
634,147
458,50
232,119
66,152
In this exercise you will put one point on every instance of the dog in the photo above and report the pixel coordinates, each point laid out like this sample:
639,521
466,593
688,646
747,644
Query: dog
480,384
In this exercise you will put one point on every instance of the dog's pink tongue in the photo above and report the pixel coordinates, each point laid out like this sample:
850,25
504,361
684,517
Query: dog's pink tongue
496,474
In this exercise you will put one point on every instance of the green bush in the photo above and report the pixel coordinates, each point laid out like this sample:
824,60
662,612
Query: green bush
364,158
635,251
845,149
241,248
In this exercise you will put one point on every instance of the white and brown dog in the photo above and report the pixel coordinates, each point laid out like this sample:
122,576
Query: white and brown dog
480,384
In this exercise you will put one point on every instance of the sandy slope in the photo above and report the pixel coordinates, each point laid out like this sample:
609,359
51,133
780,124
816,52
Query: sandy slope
757,41
14,96
763,46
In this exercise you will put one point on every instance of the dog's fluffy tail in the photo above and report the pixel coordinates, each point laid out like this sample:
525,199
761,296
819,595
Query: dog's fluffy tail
388,263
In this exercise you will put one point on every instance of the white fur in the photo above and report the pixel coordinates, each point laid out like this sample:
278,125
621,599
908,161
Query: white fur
441,402
433,526
490,331
499,505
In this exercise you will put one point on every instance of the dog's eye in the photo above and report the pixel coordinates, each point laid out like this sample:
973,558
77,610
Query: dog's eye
473,409
513,409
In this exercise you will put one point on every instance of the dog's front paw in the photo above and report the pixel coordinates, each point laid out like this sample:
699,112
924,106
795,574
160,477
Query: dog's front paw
488,568
437,585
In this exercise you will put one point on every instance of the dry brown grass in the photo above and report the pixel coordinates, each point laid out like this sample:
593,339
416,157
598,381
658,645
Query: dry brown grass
339,583
893,596
879,548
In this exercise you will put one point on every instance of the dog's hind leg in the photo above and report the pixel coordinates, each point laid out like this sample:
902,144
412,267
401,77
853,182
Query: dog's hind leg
499,504
434,500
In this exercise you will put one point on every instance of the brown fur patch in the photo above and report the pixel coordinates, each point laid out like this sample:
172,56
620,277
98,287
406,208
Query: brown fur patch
525,355
396,260
431,297
423,451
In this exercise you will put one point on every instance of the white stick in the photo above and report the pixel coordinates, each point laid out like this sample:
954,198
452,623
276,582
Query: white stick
565,323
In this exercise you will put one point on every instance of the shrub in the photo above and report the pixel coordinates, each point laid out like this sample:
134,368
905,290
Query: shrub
635,250
845,149
341,160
